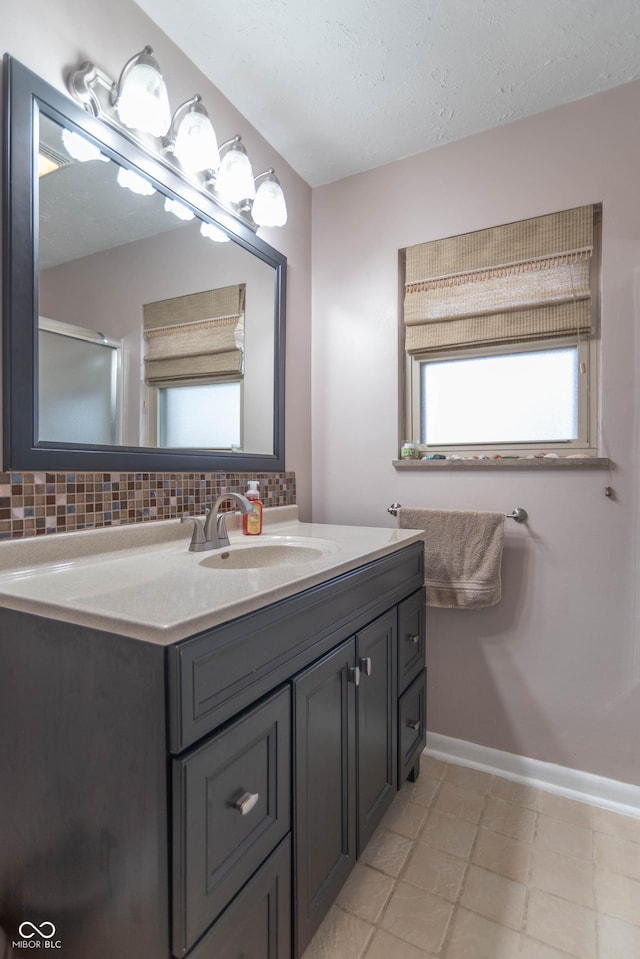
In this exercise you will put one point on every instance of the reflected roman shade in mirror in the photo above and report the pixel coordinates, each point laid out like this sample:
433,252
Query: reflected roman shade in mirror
196,335
518,282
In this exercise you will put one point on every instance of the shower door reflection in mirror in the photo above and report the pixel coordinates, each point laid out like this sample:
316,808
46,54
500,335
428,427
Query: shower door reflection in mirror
80,377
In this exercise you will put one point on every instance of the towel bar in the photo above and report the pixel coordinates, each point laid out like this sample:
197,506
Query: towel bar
519,514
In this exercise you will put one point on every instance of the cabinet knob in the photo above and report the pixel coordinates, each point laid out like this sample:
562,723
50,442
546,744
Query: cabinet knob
365,665
414,724
246,802
415,639
354,675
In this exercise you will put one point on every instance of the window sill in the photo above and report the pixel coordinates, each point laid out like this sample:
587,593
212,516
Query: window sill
582,462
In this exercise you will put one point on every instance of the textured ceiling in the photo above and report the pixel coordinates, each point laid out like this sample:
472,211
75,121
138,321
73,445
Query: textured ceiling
342,86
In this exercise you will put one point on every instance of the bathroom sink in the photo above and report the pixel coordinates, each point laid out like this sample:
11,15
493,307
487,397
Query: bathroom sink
262,556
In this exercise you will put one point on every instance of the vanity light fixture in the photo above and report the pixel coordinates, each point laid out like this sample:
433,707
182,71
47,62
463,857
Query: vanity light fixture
187,142
192,138
269,207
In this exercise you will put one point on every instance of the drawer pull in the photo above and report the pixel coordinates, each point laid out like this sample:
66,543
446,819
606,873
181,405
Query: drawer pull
414,724
354,675
365,665
246,802
415,639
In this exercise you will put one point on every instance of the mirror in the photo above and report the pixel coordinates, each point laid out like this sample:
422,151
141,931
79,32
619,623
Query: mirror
133,340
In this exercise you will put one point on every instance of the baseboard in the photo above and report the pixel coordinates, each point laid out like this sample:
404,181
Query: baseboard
573,783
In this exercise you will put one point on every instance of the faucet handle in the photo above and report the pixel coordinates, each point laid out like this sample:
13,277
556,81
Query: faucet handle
221,530
198,539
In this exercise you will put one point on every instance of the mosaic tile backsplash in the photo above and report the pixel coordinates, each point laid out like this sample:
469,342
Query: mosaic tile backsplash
35,504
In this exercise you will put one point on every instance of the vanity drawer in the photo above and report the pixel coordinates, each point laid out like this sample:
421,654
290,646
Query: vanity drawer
411,638
412,725
231,807
257,924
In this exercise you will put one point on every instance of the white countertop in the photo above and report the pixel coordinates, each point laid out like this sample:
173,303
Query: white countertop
142,580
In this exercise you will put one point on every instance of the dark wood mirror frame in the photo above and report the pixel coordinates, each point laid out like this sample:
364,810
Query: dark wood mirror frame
25,94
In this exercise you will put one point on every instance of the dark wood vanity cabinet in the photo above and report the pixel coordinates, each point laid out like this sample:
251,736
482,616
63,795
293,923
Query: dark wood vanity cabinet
266,749
345,709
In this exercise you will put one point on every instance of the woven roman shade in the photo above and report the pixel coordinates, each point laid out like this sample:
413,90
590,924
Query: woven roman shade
521,281
196,335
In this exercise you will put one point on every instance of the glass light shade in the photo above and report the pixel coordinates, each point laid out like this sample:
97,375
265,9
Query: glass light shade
80,149
269,207
134,182
196,146
143,103
234,180
213,233
178,209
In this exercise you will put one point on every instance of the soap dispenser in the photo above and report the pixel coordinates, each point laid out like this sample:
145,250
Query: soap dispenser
252,522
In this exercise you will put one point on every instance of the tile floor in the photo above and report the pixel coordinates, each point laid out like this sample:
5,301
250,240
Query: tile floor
471,866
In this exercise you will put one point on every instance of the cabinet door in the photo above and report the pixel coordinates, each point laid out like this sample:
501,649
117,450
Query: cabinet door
376,723
411,639
325,841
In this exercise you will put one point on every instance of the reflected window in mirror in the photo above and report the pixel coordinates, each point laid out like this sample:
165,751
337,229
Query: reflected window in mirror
194,345
204,415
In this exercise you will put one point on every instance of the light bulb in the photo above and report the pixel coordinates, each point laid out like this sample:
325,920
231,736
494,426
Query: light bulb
234,180
178,209
80,149
269,207
143,103
134,182
196,146
213,233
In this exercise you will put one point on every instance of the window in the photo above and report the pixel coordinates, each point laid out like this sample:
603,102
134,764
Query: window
499,330
531,398
199,415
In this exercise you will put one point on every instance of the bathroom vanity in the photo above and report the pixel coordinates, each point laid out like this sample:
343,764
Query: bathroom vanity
194,754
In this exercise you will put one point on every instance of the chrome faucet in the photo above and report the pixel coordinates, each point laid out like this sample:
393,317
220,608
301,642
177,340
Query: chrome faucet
210,531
